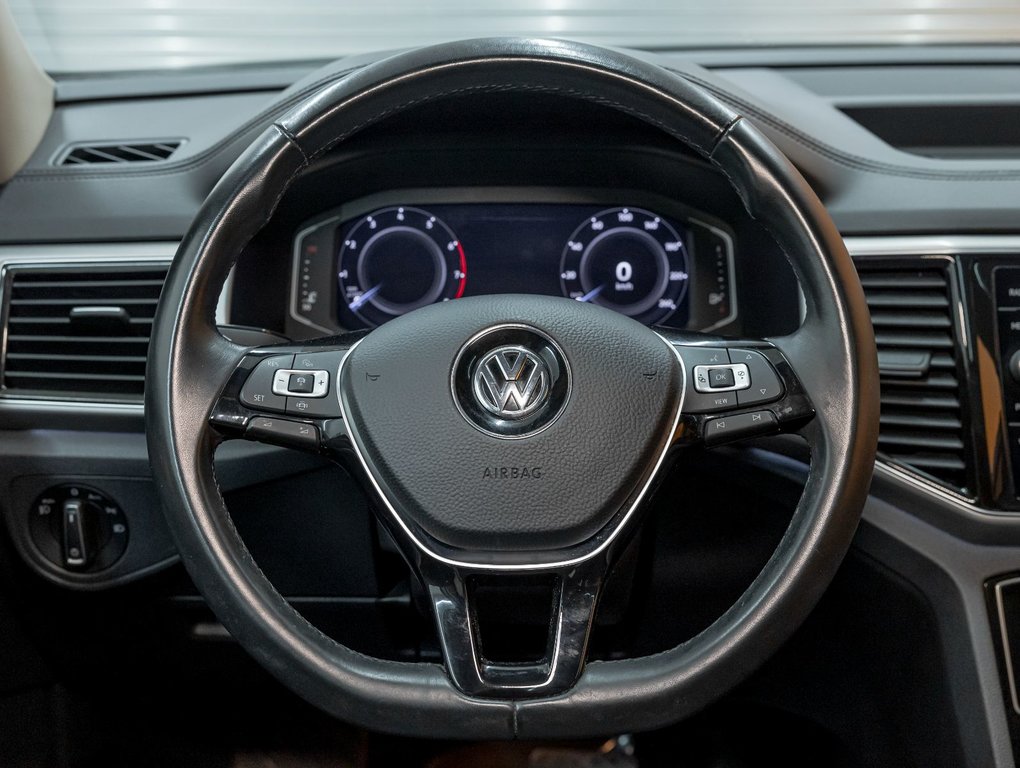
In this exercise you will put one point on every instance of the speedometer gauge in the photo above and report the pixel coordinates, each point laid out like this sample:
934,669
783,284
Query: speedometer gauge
398,259
629,260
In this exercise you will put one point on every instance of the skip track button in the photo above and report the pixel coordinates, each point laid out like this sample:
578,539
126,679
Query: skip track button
738,426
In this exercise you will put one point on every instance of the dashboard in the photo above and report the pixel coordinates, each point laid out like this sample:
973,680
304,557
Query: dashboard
380,257
559,203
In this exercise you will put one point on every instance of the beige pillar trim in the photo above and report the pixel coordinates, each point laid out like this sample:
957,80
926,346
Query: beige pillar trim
26,98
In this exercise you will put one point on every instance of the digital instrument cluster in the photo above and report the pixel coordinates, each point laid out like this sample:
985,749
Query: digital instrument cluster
364,265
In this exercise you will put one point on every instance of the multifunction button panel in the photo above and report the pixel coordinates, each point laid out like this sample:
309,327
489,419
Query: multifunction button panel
745,389
300,385
723,379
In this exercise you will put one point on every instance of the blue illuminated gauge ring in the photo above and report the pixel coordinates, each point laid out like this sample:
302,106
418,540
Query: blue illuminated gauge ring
629,260
398,259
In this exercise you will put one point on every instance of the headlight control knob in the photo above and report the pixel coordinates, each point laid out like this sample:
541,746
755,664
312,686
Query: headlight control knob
78,528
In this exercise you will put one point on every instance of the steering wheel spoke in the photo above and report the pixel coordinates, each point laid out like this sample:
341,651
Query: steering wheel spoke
563,605
286,395
737,389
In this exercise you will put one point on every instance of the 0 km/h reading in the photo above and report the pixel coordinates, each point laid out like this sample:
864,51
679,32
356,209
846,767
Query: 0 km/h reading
629,260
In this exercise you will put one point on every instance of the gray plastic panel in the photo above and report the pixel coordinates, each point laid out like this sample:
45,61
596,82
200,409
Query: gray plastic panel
868,186
201,122
118,464
934,84
951,573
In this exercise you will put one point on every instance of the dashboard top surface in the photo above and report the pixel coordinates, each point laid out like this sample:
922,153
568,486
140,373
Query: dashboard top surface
868,185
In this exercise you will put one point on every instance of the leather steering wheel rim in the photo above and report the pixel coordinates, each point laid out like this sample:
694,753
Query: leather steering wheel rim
833,353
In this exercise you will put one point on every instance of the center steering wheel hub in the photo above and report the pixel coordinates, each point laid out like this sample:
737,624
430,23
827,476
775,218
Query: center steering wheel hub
544,421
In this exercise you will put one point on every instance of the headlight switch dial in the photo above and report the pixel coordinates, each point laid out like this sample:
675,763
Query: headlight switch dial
78,528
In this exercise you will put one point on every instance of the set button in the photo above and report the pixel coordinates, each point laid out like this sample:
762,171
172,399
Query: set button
257,391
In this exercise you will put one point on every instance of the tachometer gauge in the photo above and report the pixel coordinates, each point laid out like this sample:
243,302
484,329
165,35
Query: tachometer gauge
398,259
629,260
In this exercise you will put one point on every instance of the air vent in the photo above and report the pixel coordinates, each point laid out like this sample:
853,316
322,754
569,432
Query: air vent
118,153
80,332
922,422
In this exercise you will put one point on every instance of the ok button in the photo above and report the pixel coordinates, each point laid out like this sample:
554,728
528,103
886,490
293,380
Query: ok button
720,378
301,383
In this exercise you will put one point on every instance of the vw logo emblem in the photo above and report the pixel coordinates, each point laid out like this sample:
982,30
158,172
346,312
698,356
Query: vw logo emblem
511,382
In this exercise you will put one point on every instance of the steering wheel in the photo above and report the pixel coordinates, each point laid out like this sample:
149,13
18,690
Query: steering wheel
512,439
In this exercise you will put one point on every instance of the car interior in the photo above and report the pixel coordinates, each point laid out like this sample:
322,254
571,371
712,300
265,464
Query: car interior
529,400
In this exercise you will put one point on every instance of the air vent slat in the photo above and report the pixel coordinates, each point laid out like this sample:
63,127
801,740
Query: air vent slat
907,339
82,339
924,440
913,320
66,320
97,155
907,300
157,285
933,381
119,152
140,378
922,422
917,399
80,332
901,281
77,302
88,358
142,154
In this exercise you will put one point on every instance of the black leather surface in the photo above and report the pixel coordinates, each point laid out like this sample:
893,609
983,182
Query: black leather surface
590,461
834,354
570,70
